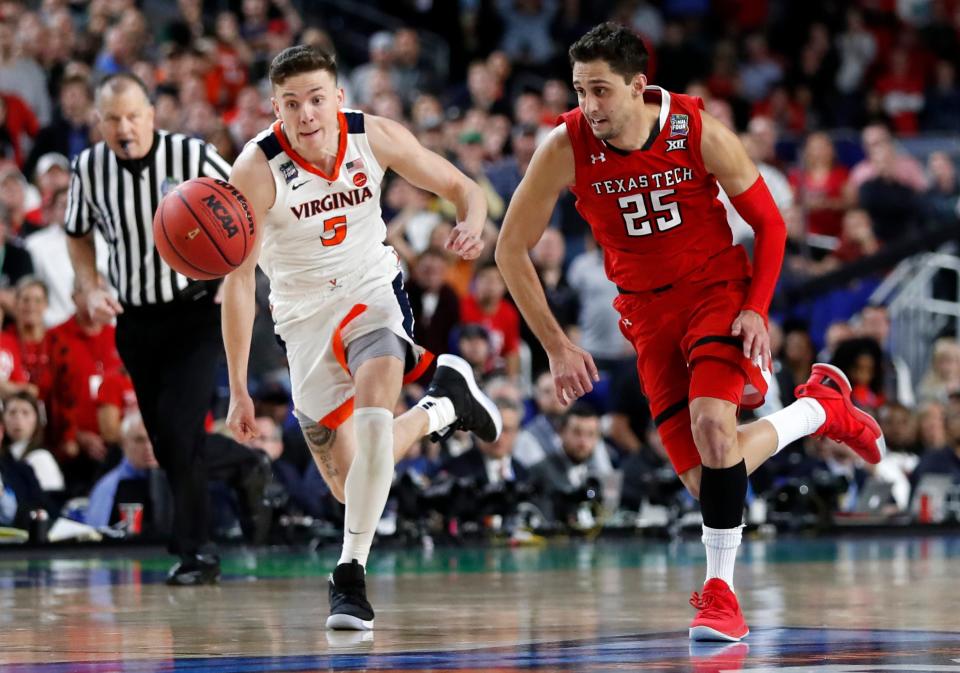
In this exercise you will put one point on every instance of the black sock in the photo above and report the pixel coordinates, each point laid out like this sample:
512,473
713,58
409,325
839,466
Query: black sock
722,494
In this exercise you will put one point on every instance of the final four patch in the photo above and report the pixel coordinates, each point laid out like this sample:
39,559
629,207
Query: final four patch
288,171
679,125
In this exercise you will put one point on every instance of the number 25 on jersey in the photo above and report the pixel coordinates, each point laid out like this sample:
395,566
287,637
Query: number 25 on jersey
334,231
634,210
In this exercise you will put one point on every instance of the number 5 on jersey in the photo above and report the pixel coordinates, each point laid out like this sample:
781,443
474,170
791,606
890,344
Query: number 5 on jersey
635,208
334,231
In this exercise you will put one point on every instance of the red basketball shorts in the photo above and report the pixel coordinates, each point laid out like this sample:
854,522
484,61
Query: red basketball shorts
684,351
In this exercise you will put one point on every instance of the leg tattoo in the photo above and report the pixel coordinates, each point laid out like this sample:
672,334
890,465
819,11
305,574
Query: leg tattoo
320,440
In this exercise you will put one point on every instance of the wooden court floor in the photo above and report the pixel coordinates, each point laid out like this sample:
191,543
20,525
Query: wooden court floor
866,604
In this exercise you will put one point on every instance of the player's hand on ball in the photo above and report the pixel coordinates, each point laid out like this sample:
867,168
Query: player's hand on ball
464,241
241,419
573,372
756,338
99,305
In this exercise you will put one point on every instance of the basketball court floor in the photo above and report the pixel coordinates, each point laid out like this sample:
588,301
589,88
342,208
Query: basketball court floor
852,604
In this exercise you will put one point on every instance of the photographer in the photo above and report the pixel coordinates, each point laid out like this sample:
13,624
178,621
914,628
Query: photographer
564,480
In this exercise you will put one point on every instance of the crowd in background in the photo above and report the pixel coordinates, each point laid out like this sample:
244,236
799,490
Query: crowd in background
825,96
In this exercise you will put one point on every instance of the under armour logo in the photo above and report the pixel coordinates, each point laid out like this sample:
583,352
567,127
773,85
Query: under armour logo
679,144
333,282
627,323
594,158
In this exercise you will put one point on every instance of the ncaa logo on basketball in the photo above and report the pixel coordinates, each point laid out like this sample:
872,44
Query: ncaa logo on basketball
222,215
678,144
289,171
360,179
679,125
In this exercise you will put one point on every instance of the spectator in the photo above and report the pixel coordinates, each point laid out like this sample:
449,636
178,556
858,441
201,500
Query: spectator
137,464
942,111
20,200
69,132
81,353
901,92
862,361
435,305
561,475
946,460
380,54
473,344
857,239
304,486
24,439
21,492
51,263
819,186
680,59
776,181
599,322
30,333
489,463
481,92
13,375
409,230
470,158
760,71
884,160
548,257
16,263
412,74
898,383
18,127
943,198
900,428
505,175
118,52
856,48
943,376
796,360
116,399
487,306
22,76
931,426
526,35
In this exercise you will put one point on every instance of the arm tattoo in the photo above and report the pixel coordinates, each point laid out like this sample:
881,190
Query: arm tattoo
320,439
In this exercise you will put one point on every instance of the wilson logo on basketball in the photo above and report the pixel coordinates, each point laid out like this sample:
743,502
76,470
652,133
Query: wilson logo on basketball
220,212
360,179
193,233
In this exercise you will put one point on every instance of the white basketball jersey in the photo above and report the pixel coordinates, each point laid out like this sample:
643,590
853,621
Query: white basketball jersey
321,227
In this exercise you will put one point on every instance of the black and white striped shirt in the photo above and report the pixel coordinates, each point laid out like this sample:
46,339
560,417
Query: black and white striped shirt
120,196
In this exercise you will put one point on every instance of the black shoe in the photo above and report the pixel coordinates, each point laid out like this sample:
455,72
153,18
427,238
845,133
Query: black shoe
349,608
475,411
191,571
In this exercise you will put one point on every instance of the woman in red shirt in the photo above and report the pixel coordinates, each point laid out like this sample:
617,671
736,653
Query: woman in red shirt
819,186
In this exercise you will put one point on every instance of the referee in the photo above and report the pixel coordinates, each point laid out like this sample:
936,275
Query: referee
168,327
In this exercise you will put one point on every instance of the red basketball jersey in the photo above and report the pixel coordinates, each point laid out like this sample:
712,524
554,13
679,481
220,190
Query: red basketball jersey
654,210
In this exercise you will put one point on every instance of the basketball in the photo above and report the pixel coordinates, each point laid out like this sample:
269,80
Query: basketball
204,228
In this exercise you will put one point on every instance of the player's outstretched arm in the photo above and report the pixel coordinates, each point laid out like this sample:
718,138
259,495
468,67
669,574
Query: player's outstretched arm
395,147
551,170
252,176
725,157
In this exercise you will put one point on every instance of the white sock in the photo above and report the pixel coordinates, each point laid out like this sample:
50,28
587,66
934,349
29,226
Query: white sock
722,545
439,411
800,419
368,482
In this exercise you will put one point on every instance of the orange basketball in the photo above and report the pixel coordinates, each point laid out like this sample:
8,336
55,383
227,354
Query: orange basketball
204,228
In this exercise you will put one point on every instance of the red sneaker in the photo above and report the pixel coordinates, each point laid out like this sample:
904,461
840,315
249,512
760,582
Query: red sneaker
718,616
845,423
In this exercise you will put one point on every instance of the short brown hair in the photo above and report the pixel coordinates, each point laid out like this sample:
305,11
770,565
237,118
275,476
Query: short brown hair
300,59
619,46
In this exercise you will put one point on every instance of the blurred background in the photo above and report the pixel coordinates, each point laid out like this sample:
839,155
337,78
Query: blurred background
850,109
